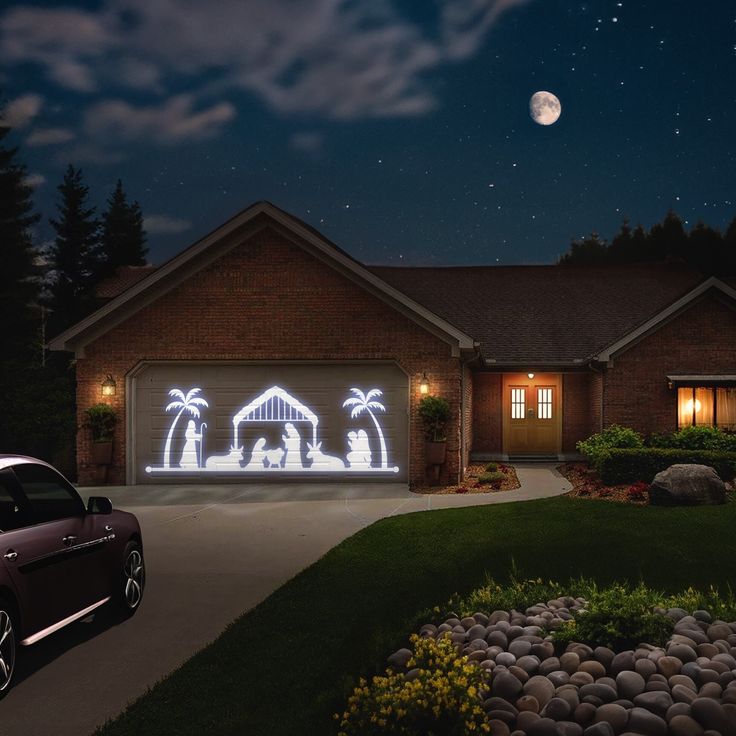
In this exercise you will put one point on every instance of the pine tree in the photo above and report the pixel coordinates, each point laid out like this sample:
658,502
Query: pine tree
123,241
75,254
668,240
588,252
705,249
18,282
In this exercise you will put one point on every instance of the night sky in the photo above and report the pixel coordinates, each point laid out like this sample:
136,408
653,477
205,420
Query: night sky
399,130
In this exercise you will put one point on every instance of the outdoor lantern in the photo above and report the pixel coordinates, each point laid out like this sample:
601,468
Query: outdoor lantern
424,384
530,375
108,386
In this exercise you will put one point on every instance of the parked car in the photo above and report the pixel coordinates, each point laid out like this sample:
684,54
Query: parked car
60,560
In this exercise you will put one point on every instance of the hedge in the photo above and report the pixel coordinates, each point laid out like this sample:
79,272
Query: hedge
626,465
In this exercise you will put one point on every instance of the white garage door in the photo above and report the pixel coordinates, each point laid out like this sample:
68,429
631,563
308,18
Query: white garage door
205,422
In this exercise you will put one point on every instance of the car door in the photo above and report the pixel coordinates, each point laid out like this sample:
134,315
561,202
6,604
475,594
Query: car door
59,562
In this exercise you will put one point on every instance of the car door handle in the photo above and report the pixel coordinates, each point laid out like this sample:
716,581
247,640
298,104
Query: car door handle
69,540
11,555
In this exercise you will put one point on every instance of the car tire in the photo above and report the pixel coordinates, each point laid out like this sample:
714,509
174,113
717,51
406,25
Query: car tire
8,645
131,579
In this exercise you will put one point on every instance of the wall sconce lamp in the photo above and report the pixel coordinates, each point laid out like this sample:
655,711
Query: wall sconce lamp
109,386
530,376
424,384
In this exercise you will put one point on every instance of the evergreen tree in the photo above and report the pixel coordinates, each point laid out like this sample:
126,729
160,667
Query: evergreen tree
123,241
667,240
729,250
588,251
18,282
705,249
75,254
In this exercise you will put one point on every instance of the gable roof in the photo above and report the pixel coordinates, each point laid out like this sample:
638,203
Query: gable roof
552,314
219,241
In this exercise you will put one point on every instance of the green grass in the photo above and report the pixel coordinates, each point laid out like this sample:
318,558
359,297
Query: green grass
288,664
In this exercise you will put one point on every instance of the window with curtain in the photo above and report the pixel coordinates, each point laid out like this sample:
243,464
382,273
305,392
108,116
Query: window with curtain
705,406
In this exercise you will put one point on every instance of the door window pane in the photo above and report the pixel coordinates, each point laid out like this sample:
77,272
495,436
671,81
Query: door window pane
49,495
544,403
518,403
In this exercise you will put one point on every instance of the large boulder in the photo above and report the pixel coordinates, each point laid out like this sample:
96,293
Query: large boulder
687,485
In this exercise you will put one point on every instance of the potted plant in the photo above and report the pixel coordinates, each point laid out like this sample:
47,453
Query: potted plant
101,420
435,413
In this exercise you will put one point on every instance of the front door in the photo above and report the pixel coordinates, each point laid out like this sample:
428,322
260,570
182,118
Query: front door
532,415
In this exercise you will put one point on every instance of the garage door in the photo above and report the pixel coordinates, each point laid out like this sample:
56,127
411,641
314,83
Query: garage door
205,422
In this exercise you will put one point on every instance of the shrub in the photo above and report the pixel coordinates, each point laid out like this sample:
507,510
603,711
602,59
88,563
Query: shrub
704,438
628,465
491,467
435,413
495,477
611,437
618,617
101,420
638,491
443,698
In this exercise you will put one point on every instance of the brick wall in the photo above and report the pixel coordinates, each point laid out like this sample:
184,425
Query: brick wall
578,414
698,341
468,416
487,412
268,299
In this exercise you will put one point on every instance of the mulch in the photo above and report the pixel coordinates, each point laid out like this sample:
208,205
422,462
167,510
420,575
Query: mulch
587,484
471,483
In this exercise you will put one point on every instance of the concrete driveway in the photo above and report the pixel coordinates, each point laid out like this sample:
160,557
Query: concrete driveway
212,552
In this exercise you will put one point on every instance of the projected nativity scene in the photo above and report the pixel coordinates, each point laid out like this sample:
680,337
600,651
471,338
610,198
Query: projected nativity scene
296,446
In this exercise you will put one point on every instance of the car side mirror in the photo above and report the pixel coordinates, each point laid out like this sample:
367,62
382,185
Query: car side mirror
99,505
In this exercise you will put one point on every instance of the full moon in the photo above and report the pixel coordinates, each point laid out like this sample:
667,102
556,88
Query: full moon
545,108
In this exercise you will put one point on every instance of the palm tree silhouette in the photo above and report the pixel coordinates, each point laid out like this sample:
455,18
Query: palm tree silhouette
189,404
364,402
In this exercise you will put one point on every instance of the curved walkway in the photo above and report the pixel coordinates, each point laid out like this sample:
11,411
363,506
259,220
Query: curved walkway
212,552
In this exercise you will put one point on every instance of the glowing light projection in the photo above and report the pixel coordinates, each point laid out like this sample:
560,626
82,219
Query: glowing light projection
276,406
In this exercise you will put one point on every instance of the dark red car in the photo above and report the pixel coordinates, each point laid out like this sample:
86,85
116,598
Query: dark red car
60,560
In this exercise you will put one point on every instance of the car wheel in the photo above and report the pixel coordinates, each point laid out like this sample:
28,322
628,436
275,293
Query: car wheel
132,579
7,646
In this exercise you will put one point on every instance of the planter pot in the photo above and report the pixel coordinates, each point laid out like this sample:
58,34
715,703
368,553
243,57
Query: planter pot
435,452
101,453
99,475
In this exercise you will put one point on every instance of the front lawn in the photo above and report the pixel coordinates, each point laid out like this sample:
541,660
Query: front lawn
287,665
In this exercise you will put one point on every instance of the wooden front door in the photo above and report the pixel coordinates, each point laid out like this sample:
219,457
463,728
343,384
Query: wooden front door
532,416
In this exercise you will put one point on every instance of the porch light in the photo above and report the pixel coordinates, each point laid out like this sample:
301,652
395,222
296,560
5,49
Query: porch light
108,386
424,384
530,376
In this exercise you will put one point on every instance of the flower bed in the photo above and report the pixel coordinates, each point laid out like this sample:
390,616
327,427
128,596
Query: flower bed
587,484
479,479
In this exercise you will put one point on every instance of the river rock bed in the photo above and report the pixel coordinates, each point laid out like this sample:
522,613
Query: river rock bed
687,688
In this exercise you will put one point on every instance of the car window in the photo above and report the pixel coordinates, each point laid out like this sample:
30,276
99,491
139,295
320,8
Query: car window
49,495
12,515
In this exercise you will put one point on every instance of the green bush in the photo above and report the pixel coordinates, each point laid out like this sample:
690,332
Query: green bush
444,699
435,413
611,437
495,477
101,420
491,467
618,617
696,438
631,464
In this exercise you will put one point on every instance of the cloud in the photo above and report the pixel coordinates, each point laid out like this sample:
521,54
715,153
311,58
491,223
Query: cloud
340,59
165,224
20,111
173,121
307,142
34,180
49,136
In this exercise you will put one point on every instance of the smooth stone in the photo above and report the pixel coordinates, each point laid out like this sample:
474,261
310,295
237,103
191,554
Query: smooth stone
497,616
527,703
719,631
707,675
683,680
581,678
682,639
520,674
477,631
478,655
604,655
569,662
645,667
629,684
669,666
622,661
682,652
558,709
706,650
677,709
711,690
596,669
501,715
545,650
656,702
481,618
542,727
519,648
569,728
506,686
476,645
498,727
605,692
683,694
497,638
496,703
702,615
643,721
549,665
506,659
559,677
617,716
514,631
568,695
525,719
593,700
541,688
727,659
599,729
708,713
676,613
400,658
685,726
657,686
716,666
584,713
468,622
692,670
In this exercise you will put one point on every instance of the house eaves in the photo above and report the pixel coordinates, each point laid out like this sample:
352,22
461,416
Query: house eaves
206,250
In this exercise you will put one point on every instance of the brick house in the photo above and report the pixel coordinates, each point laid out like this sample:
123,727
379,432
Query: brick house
264,351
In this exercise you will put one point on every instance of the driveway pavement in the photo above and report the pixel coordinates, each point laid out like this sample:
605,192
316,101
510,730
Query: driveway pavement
211,552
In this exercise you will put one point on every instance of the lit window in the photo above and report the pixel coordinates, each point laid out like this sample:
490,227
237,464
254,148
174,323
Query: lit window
518,403
701,406
544,403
